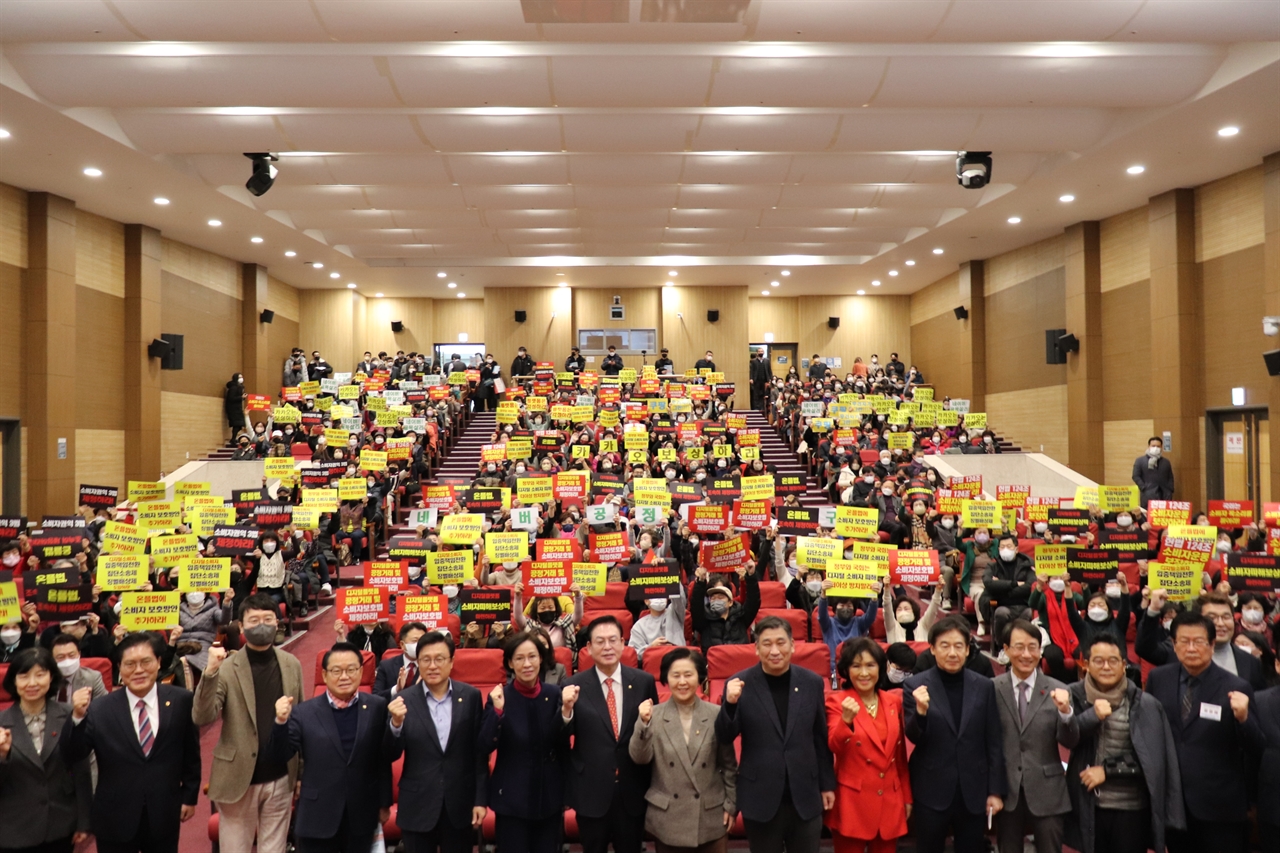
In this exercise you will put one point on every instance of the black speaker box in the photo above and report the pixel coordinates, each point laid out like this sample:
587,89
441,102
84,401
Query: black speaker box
1272,359
266,316
713,316
521,316
397,326
1052,354
962,313
833,322
172,360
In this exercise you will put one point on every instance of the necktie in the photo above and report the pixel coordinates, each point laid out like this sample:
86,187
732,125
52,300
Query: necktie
413,674
1189,699
64,695
145,738
1022,701
612,702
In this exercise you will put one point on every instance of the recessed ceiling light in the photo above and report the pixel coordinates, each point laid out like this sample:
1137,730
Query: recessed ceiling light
1013,220
335,274
1066,199
564,284
862,293
379,295
161,200
441,274
670,284
893,272
559,273
453,284
255,239
671,272
351,284
291,254
875,283
215,223
910,263
317,265
786,272
773,284
462,296
1136,170
4,134
937,251
93,173
764,293
1228,131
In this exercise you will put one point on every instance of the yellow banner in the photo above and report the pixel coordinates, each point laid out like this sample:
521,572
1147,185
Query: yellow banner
591,577
856,522
450,567
1116,498
182,489
352,488
10,604
757,488
118,572
171,550
533,490
121,538
461,528
817,553
373,460
980,514
144,491
1051,560
306,517
278,468
1182,582
204,574
851,579
149,611
506,547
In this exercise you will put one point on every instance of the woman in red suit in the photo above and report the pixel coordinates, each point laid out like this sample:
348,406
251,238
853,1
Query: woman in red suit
865,732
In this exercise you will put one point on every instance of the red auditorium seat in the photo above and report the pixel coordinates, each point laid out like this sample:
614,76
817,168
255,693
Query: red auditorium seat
564,656
773,595
624,618
797,619
723,662
103,668
614,598
481,668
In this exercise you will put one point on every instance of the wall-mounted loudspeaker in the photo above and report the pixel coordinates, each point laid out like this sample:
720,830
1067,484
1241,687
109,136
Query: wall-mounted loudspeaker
1272,359
1053,355
158,348
397,326
521,316
713,316
833,322
1068,343
169,352
962,313
266,316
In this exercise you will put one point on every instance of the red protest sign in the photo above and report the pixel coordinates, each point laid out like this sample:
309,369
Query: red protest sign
258,403
951,502
709,518
431,610
357,605
913,567
1162,514
392,574
1230,514
558,549
610,547
969,487
751,515
725,556
548,577
1013,497
1271,514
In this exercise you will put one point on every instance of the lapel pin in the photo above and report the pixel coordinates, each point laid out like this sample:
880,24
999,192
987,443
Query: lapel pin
166,703
365,707
797,689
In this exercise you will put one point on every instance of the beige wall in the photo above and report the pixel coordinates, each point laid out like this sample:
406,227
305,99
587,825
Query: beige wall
454,316
547,332
418,316
691,335
643,311
326,323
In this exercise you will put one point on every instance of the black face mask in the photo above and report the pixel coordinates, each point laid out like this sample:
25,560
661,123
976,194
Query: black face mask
546,617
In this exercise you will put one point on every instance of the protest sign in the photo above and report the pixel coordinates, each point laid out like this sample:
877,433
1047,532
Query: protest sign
450,567
430,610
590,577
1230,515
558,549
149,611
980,514
852,579
121,538
1162,514
609,547
1181,581
485,606
547,577
726,556
1091,566
1189,544
815,552
1051,560
1253,572
390,574
361,605
234,541
461,528
204,574
117,572
98,496
652,580
506,547
916,567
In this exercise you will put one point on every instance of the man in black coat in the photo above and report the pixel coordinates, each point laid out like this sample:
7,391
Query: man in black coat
958,775
1216,731
606,787
522,365
1153,474
707,363
761,376
1155,646
817,368
1007,587
148,752
436,726
612,364
1269,776
345,745
786,777
574,363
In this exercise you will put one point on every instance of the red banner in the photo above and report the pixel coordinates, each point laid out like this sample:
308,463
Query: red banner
709,518
725,556
392,574
915,567
610,547
558,549
1230,514
361,605
1162,514
751,515
547,577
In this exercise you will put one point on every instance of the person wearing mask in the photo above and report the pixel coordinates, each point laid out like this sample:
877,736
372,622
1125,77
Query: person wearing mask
1107,612
952,716
761,376
722,621
1059,617
895,366
200,616
487,393
786,778
1007,586
575,363
1153,474
1037,718
1158,647
707,362
253,792
319,369
847,624
44,799
660,626
436,727
865,734
989,443
805,590
692,791
1216,734
561,626
365,365
394,675
664,364
66,656
1123,776
817,368
612,363
295,370
528,723
903,621
606,787
147,750
271,566
245,450
455,365
373,637
15,636
901,663
522,364
233,404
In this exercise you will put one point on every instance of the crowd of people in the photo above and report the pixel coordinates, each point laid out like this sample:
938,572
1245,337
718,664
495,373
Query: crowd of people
650,478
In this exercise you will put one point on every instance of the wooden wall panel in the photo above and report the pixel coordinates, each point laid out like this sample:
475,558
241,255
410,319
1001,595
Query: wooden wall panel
1013,268
1229,214
453,316
1123,442
100,457
209,321
283,299
941,297
99,254
1126,352
13,342
643,311
1233,305
282,337
191,425
934,344
326,324
779,315
418,316
100,343
1035,419
1015,324
13,226
868,325
690,336
201,267
1124,254
547,338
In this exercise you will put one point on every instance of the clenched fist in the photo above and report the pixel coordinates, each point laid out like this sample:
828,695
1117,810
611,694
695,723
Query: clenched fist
497,698
397,709
646,711
568,698
921,695
1239,705
284,707
80,702
1102,708
733,690
1062,699
848,709
6,743
217,654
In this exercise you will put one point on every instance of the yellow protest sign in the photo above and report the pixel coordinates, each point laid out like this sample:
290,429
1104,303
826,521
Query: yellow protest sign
608,419
1051,560
121,538
10,603
1188,544
980,514
857,522
462,528
352,488
662,498
1086,497
852,579
627,376
306,517
310,388
817,553
535,404
373,460
696,454
171,550
975,420
757,488
749,454
202,501
118,572
335,437
159,514
326,500
286,414
506,547
1116,498
278,467
145,491
149,611
204,574
921,395
348,392
533,490
376,404
182,489
1182,582
450,567
873,554
203,519
591,577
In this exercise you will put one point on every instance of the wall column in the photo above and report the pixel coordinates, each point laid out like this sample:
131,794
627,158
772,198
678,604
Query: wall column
1177,359
1271,302
258,377
1084,368
51,355
973,349
142,254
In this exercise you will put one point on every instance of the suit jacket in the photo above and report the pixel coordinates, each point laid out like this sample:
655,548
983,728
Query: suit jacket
873,784
88,677
1153,483
1031,752
41,798
532,742
128,781
229,694
773,759
1154,645
332,782
693,783
388,676
452,779
1269,775
600,764
965,754
1213,755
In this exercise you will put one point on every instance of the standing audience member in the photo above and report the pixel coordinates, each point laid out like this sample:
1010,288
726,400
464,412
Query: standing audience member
66,655
1269,775
1153,474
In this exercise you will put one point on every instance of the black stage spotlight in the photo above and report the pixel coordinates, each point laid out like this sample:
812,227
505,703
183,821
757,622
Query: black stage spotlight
973,169
264,174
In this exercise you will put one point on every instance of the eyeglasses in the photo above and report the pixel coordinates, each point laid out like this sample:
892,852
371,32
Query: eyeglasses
253,623
613,640
1105,663
339,671
145,663
1220,617
1195,643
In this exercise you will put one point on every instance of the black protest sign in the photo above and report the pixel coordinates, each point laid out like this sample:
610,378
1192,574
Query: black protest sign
1253,572
484,606
1129,545
790,484
797,521
482,499
408,548
234,541
652,580
98,496
61,604
11,527
54,545
1090,566
271,516
684,493
244,500
1074,521
724,488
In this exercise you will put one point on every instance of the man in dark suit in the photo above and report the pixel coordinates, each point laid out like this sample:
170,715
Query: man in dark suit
612,363
1155,646
1269,776
957,770
1153,474
1215,727
436,726
606,787
395,674
345,746
786,777
148,753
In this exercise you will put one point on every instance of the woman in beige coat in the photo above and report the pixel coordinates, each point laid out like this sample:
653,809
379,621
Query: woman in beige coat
692,795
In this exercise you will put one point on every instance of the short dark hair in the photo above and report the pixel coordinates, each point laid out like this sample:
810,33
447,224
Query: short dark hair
1086,647
1155,438
773,623
515,641
1193,619
64,640
901,655
947,624
914,605
849,651
1213,597
140,638
409,626
603,620
338,648
1012,537
684,653
25,661
259,601
435,638
1023,625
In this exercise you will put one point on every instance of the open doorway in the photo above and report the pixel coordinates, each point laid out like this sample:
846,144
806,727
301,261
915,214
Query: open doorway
1238,455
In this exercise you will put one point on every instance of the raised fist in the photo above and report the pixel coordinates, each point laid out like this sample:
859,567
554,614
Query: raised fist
733,690
80,702
1062,699
497,698
645,711
284,707
848,709
921,695
1102,708
568,698
1239,705
397,709
217,654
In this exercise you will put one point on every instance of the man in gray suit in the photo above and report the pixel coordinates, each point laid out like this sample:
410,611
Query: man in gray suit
66,653
1036,717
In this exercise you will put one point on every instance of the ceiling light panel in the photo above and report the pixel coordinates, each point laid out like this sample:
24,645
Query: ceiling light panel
454,133
632,81
766,133
847,81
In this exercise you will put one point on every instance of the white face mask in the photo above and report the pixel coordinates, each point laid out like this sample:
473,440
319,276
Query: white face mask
12,559
868,480
195,599
658,605
1057,584
415,571
1153,452
1098,614
1007,554
411,650
69,667
1124,520
948,523
1253,617
897,676
1041,526
268,547
10,636
814,587
888,493
1224,546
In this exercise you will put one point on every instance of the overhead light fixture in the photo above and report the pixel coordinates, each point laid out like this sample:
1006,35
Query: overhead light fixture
875,283
1014,220
764,293
93,173
462,296
462,337
4,134
862,293
264,174
351,284
1136,170
1066,199
379,295
669,284
937,251
671,273
1237,396
786,272
773,284
453,284
291,254
910,263
1228,131
442,275
316,265
768,337
563,284
255,239
335,274
162,201
973,169
215,223
893,272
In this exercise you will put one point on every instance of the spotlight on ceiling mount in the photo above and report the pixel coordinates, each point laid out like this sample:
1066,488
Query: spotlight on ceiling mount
973,169
264,174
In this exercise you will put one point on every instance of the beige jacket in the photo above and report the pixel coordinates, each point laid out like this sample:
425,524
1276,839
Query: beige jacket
228,694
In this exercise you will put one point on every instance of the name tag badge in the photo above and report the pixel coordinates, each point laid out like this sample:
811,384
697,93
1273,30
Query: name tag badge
1210,712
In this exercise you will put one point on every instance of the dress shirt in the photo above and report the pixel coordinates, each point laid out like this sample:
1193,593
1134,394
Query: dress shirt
1030,681
441,713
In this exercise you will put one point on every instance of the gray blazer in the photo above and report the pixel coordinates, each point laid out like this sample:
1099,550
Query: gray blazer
1031,747
87,676
41,798
691,789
